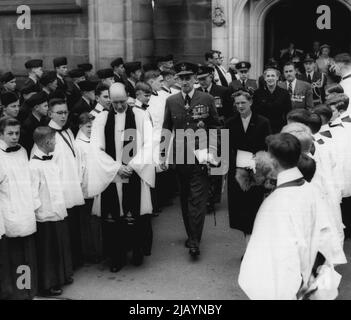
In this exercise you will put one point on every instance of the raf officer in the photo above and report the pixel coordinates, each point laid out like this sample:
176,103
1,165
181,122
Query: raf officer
187,112
243,82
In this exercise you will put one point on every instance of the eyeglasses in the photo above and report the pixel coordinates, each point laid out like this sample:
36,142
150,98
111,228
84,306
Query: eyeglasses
62,113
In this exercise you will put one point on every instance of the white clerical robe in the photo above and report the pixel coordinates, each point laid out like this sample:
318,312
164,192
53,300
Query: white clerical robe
102,169
16,193
48,189
68,164
287,235
346,85
2,223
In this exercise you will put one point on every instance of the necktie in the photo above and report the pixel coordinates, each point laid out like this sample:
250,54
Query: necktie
13,149
187,100
243,84
309,78
290,88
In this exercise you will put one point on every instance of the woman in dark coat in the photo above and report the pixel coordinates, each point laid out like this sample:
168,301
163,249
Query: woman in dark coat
247,132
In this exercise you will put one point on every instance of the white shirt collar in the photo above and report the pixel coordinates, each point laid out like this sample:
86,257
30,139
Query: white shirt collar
99,107
325,127
209,88
3,145
288,176
54,125
190,94
138,103
82,136
40,154
58,76
311,73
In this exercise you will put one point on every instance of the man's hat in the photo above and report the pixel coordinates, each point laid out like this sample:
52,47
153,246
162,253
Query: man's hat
167,58
29,89
85,66
35,63
7,77
185,68
132,67
48,77
117,62
8,98
60,61
37,99
150,67
243,65
87,85
105,73
324,46
204,71
309,58
76,73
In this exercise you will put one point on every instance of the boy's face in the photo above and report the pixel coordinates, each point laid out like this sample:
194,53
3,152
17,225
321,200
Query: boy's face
53,85
143,97
86,129
11,85
156,84
309,66
104,99
12,109
59,114
62,70
42,109
38,71
11,135
108,81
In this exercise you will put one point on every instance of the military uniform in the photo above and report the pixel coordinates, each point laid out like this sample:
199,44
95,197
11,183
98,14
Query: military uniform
249,84
191,111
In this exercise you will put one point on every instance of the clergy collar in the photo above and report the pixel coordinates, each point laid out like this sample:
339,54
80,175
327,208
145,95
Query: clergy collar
190,94
81,136
289,175
53,125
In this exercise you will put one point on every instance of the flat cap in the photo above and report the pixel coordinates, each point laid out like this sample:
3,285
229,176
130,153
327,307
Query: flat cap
85,66
186,68
35,63
132,66
60,61
48,77
117,62
37,99
7,77
87,85
76,73
105,73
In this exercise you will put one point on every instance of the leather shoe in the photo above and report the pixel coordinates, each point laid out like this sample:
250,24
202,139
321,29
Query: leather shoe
194,252
116,269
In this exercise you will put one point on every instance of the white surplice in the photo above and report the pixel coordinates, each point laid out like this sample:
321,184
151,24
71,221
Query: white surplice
288,233
68,164
2,224
346,85
48,189
102,169
16,193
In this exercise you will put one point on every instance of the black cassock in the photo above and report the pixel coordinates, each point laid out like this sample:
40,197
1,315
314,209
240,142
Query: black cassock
243,206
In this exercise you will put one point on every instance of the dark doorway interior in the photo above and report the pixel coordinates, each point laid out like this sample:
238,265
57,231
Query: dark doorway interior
296,21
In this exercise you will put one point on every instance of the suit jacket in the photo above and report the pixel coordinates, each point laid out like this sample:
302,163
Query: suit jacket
118,79
62,88
73,95
27,129
30,82
302,96
318,93
253,140
130,89
273,106
178,117
237,85
227,109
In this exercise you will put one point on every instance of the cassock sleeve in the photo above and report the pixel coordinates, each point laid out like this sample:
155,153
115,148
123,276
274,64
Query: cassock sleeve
143,163
271,266
102,169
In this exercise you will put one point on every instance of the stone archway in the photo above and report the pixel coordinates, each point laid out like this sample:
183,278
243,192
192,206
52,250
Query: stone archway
244,34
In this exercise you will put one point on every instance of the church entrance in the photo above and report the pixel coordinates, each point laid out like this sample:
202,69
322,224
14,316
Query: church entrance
296,21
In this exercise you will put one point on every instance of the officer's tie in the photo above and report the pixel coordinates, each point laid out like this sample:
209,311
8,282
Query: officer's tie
290,88
187,100
243,83
309,78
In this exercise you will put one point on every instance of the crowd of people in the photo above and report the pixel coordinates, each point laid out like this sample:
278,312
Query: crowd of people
88,159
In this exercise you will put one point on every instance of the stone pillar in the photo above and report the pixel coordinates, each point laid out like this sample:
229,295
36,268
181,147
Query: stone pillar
183,28
120,28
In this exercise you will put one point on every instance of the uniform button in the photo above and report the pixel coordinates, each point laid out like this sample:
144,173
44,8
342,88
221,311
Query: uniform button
187,123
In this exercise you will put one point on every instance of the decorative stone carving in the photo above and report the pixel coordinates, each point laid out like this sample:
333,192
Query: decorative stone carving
218,17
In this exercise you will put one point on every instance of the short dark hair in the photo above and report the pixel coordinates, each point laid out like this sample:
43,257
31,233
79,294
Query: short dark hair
299,115
152,74
85,118
285,148
307,166
243,93
56,101
209,55
43,134
315,123
168,72
340,101
334,88
289,63
8,122
143,86
324,111
100,89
